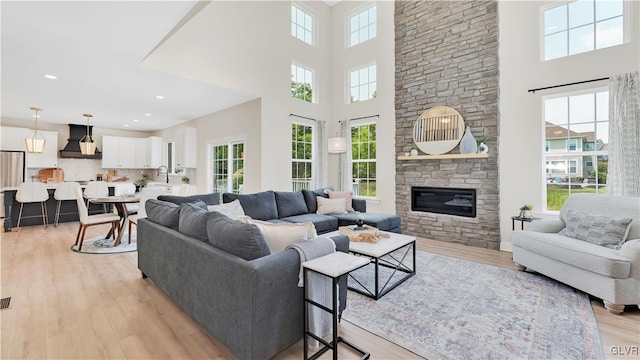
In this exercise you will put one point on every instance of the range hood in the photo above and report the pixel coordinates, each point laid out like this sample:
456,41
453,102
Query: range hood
72,149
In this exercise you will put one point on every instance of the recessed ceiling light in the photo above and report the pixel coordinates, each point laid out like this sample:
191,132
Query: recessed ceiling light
135,120
52,77
126,125
159,97
147,114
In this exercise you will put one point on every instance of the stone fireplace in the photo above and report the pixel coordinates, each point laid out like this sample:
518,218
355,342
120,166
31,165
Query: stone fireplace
446,53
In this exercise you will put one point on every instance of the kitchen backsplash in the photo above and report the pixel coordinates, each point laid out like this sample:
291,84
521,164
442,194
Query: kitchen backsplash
86,169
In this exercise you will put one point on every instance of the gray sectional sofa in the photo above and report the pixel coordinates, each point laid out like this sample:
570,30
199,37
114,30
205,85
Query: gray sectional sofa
301,206
217,270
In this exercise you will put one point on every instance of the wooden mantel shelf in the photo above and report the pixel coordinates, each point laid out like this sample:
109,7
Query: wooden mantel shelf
444,156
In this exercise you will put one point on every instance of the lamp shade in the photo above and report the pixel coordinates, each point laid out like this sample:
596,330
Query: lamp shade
35,142
337,145
87,145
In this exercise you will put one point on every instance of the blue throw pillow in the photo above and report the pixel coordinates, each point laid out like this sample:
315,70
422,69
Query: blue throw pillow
261,206
237,238
163,212
193,220
290,204
310,198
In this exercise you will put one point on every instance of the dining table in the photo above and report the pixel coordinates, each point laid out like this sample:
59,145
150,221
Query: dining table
120,204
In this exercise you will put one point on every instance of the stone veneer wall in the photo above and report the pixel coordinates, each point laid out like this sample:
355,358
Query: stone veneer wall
447,54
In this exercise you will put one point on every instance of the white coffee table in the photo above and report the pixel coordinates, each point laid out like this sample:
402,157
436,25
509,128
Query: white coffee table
388,252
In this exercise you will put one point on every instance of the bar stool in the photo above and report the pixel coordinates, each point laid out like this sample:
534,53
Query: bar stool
32,192
96,189
64,191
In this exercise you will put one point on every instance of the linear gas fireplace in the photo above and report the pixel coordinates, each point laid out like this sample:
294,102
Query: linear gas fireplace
461,202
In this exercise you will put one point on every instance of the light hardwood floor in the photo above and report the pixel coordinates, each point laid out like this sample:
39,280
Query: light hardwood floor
70,305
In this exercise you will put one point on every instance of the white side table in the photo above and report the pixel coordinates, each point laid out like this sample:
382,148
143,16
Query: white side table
333,266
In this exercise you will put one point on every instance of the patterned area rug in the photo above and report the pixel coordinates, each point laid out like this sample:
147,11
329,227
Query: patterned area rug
100,245
455,309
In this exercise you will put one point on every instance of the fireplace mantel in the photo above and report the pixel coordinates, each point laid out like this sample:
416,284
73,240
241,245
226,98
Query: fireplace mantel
444,156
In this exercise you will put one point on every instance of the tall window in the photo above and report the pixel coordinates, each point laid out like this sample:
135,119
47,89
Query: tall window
363,155
362,84
301,83
576,138
171,157
581,26
228,168
301,156
301,25
362,26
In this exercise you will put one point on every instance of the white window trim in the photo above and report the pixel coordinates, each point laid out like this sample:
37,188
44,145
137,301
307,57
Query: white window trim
348,82
210,158
357,11
357,124
313,19
314,96
314,132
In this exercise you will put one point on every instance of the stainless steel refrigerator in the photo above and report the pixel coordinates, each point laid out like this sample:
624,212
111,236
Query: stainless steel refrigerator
12,168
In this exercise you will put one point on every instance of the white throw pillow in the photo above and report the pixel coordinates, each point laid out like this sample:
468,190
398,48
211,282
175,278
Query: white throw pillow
232,209
281,235
331,206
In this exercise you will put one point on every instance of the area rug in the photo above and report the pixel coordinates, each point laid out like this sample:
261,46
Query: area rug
455,309
100,245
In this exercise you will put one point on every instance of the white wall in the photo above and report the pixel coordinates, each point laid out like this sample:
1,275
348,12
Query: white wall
521,126
380,50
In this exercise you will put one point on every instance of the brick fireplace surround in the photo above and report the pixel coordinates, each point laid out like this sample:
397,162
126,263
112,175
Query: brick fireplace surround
447,54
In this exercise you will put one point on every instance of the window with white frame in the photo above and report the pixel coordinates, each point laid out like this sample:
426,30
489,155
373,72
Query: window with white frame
582,25
301,83
571,122
301,25
228,168
362,26
171,157
362,84
301,156
363,158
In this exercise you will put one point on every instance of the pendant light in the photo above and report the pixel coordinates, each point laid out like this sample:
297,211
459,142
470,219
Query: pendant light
35,141
87,145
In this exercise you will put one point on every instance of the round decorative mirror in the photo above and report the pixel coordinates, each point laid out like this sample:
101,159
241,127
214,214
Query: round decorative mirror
438,130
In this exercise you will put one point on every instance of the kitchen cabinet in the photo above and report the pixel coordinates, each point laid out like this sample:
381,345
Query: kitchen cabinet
148,152
12,138
186,145
47,158
118,152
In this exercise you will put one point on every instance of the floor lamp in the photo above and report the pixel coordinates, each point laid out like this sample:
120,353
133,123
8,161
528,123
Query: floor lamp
338,145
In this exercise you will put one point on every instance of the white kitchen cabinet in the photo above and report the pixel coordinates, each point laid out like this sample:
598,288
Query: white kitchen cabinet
49,157
12,138
118,152
148,152
186,145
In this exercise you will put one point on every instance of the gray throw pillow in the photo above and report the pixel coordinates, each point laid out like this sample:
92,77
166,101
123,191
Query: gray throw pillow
209,199
163,212
597,229
193,220
242,240
290,204
261,205
310,198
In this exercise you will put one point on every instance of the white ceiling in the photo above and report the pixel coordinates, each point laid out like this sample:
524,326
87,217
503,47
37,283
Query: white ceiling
95,48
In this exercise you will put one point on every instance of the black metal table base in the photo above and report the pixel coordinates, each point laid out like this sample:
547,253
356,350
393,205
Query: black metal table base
396,265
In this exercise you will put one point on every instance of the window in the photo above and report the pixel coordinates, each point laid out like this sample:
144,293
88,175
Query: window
171,158
581,26
228,168
572,120
362,26
301,156
301,83
362,84
301,25
363,155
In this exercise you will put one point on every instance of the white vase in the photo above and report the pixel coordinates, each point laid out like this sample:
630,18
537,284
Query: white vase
414,152
483,149
468,144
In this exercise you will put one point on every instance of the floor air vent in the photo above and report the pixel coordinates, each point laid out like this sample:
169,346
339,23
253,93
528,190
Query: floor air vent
4,303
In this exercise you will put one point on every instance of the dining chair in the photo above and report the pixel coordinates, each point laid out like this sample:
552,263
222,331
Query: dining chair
96,189
145,194
124,189
64,191
87,220
32,192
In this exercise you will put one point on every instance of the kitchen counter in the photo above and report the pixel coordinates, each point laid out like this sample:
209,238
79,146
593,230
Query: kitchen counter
53,186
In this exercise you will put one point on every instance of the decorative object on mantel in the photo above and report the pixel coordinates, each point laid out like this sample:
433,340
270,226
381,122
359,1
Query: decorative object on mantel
369,234
525,211
87,145
35,141
438,130
468,143
482,146
414,151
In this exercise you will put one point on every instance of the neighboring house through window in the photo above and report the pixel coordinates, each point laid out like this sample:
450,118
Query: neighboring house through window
576,138
363,156
362,84
301,156
362,26
301,83
301,25
228,168
581,26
